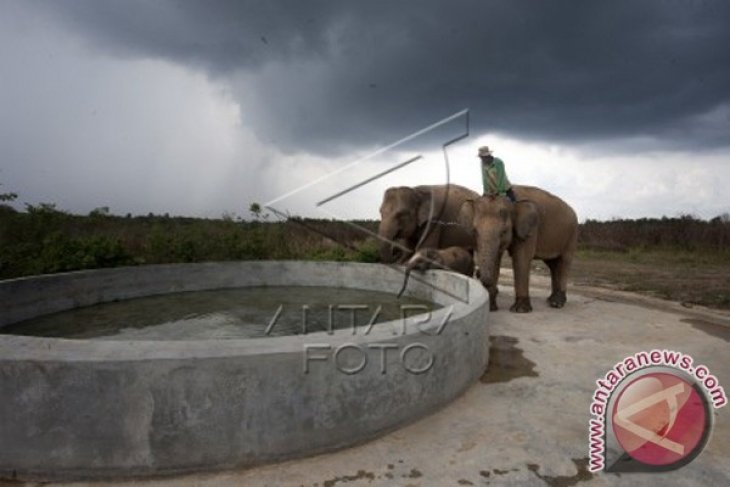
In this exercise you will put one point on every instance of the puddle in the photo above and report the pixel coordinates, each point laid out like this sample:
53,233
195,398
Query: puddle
581,464
361,474
497,471
506,361
714,329
413,474
574,339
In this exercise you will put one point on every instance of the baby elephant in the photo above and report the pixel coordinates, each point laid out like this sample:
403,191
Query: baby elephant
457,259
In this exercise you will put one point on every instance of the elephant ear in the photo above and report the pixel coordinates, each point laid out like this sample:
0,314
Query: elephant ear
527,218
465,218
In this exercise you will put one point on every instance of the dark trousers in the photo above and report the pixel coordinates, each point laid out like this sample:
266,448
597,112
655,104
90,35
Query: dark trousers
511,195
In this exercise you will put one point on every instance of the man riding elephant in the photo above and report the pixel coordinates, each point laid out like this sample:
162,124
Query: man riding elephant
538,226
494,177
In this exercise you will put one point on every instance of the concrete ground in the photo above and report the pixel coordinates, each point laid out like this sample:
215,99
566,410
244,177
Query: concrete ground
526,422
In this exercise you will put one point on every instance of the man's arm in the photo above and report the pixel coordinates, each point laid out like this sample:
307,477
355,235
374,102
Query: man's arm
485,179
501,176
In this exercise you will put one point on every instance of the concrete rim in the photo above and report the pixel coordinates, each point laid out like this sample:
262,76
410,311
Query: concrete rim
17,346
96,409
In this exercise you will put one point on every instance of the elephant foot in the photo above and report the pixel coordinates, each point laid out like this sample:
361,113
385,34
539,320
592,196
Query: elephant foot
493,299
557,299
522,305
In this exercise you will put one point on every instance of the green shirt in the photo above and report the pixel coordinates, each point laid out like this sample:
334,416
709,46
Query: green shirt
494,178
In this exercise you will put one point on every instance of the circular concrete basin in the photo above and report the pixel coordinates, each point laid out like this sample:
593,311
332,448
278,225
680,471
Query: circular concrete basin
75,409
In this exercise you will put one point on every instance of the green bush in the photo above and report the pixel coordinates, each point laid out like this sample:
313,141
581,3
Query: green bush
60,253
368,251
330,253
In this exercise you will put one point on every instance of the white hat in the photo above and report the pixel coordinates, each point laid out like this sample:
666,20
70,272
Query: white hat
484,151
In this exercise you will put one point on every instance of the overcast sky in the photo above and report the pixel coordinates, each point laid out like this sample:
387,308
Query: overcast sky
199,107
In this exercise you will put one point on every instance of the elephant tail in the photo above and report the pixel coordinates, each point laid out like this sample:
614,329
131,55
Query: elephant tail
405,282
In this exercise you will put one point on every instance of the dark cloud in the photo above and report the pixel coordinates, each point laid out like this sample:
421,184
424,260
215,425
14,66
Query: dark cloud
318,76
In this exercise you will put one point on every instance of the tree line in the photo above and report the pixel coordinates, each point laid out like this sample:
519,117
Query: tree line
43,239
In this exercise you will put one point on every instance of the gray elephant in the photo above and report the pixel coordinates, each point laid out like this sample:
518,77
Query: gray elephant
422,217
457,259
538,226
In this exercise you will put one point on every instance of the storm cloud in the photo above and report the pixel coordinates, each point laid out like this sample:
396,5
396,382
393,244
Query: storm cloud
199,107
325,75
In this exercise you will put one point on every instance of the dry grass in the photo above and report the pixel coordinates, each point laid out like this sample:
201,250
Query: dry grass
687,277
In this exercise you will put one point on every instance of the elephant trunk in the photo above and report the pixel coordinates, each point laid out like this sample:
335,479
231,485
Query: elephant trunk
387,231
387,253
392,251
487,261
486,275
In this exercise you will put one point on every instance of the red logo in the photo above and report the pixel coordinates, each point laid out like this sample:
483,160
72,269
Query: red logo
660,419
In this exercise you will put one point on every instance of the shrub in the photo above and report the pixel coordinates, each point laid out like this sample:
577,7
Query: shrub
368,251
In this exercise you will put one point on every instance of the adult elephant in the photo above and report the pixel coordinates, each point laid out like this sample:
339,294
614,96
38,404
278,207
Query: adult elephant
423,217
538,226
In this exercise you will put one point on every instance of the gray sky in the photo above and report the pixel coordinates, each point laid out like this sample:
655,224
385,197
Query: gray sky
198,107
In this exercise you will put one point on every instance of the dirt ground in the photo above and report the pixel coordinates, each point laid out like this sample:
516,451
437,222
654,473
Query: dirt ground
688,278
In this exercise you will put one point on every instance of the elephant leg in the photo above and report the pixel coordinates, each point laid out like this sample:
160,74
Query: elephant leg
557,296
563,270
521,258
560,274
494,290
